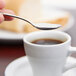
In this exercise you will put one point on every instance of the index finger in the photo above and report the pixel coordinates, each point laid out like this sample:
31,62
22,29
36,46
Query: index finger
2,4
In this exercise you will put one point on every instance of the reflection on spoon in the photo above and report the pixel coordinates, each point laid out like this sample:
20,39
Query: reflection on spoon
41,26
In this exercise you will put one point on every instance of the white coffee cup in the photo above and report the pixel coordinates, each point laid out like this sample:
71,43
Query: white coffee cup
48,60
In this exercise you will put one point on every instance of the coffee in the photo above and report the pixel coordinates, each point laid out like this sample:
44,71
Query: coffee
47,41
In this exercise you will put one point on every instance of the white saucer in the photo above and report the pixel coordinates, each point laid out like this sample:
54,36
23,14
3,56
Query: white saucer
21,67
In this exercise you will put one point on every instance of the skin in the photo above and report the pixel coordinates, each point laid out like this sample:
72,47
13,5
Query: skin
3,17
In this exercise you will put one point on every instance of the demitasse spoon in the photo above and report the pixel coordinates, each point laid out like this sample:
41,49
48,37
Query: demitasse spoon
41,26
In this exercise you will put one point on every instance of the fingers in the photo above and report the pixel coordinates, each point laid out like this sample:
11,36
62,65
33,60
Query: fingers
1,18
2,4
7,18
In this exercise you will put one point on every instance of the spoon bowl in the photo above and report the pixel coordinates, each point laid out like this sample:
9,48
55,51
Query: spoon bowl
47,26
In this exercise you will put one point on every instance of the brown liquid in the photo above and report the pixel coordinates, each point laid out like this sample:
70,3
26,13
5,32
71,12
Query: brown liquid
46,42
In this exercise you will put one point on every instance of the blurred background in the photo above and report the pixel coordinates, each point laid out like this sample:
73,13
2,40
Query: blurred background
38,11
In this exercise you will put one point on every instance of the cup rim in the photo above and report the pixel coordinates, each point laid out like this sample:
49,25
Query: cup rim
29,43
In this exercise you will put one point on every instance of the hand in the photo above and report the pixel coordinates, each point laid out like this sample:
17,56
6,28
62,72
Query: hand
3,17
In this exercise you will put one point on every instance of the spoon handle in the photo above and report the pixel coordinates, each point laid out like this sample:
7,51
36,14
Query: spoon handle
18,17
34,25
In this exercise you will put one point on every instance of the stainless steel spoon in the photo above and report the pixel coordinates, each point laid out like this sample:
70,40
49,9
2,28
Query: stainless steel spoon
41,26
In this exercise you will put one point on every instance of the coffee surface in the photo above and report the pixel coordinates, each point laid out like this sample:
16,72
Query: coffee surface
46,42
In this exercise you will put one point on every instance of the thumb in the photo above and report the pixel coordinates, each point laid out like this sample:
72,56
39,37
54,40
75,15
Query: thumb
1,18
7,18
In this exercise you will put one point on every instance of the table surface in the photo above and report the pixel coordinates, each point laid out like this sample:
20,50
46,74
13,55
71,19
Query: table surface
8,53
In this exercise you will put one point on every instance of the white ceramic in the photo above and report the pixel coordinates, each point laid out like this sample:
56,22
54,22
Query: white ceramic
21,67
48,60
6,35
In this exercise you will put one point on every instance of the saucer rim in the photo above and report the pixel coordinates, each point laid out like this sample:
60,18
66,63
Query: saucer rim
17,61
